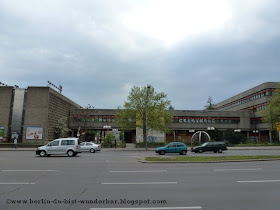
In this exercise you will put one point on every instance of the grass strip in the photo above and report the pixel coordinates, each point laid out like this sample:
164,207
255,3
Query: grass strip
216,158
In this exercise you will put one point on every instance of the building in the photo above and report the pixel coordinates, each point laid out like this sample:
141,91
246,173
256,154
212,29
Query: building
35,111
32,113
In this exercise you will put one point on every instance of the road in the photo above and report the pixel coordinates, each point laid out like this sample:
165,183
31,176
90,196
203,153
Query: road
115,179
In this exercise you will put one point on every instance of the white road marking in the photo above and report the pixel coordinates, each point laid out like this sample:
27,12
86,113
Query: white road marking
239,169
151,208
19,183
135,183
28,170
258,181
152,171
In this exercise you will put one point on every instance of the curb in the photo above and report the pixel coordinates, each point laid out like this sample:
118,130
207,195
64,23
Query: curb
142,160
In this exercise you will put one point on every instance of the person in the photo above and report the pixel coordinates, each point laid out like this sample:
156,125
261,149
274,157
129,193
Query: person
15,143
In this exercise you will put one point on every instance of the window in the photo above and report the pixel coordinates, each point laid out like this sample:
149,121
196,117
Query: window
68,142
54,143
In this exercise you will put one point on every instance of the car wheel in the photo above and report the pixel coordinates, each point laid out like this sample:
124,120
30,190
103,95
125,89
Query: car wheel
200,151
215,151
184,152
92,150
220,150
162,152
42,153
70,153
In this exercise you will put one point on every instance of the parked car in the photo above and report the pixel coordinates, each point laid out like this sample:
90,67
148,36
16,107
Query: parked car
62,146
218,146
90,147
173,147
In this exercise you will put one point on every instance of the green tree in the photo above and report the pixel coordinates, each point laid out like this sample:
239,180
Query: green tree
61,127
144,102
271,114
210,104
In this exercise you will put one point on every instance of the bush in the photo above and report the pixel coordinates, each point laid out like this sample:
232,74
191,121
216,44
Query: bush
108,141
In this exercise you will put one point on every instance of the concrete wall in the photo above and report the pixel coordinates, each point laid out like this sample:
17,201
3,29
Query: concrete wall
44,107
6,95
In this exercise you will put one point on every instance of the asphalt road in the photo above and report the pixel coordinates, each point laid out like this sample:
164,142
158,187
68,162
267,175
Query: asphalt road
115,179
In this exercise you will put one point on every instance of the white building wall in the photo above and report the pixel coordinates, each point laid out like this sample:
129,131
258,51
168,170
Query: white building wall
153,136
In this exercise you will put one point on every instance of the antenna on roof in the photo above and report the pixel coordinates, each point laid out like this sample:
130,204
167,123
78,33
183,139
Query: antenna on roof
58,88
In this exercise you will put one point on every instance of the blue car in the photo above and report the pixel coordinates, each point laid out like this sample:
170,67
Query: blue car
173,147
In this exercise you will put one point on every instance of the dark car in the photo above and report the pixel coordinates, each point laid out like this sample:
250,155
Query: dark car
218,146
173,147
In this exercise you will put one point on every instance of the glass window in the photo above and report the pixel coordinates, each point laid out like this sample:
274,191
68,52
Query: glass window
54,143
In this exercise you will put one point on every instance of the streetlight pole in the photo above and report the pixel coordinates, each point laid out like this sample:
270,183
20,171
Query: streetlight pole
146,123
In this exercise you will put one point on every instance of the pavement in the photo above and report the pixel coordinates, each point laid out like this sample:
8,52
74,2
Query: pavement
152,149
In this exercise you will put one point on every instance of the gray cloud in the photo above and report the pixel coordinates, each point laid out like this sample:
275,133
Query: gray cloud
85,47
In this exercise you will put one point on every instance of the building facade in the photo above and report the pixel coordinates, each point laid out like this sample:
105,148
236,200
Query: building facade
34,113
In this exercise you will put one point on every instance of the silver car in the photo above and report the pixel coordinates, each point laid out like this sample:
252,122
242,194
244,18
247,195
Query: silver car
62,146
90,147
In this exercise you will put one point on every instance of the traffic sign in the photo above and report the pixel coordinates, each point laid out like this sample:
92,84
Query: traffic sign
278,126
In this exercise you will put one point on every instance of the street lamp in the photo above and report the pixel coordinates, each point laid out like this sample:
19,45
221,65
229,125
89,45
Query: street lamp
146,127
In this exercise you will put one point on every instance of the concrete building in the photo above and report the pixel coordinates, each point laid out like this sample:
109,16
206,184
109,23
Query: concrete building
33,112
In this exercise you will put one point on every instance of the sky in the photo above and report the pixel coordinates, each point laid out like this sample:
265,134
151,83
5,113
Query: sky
97,50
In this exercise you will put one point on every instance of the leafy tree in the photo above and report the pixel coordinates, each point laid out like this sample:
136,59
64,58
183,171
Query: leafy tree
210,104
141,100
61,127
271,114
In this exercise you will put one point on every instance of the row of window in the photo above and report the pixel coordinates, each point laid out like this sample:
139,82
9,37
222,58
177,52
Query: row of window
206,121
247,99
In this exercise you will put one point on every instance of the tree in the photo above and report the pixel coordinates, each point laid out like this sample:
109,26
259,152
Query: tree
271,114
61,127
146,109
210,104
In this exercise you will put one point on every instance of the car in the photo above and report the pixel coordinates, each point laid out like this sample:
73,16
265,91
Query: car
218,146
173,147
90,147
61,146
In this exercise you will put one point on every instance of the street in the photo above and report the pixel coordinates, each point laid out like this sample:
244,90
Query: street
115,179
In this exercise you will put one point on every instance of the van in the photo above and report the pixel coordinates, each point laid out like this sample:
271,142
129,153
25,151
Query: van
218,146
61,146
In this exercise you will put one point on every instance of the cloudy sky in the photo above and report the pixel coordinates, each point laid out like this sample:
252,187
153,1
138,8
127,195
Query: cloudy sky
99,49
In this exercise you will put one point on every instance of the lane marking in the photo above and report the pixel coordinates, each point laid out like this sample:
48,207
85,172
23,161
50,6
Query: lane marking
258,181
239,169
151,208
27,170
152,171
19,183
135,183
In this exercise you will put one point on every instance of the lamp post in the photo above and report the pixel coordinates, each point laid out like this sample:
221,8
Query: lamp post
146,123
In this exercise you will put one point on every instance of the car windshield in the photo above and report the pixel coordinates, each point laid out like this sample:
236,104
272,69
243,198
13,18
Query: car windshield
204,144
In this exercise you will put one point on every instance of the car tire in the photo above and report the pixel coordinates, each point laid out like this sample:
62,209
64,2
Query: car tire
220,151
200,151
215,151
92,150
70,153
42,153
162,152
184,152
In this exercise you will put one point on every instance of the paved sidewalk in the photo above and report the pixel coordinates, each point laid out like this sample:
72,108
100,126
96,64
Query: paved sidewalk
152,149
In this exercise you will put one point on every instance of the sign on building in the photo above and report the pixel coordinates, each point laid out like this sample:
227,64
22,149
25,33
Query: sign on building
278,126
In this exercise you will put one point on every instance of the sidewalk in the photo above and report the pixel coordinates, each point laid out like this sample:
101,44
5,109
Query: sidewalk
151,149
